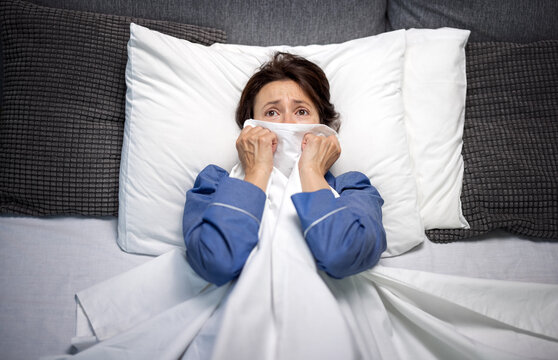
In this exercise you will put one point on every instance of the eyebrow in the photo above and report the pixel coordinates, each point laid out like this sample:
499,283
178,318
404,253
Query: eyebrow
278,101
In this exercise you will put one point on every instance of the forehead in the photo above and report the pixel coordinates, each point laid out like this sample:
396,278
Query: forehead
281,90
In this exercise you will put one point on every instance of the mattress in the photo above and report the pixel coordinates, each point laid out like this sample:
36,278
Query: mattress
45,261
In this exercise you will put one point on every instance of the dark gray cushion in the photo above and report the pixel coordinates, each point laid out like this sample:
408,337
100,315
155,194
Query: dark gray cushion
510,141
488,20
256,22
62,116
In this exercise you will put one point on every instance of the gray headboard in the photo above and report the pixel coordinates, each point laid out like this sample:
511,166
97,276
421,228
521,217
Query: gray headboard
255,22
251,22
302,22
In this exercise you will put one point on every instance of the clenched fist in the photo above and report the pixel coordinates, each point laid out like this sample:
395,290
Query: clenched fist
319,153
256,146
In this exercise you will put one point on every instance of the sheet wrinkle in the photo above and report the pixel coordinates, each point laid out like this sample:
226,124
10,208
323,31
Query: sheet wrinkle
282,307
541,296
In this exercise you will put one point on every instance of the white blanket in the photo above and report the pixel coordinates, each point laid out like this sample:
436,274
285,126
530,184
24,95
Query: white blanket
282,307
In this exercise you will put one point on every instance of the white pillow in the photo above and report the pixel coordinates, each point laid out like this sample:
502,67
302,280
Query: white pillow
180,107
434,90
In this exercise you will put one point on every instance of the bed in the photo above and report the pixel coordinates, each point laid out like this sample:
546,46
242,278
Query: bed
59,229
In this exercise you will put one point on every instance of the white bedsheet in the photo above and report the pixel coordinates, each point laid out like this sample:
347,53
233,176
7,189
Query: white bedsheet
281,307
44,262
498,255
414,315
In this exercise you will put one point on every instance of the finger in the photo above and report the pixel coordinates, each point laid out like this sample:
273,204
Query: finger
259,131
264,139
333,142
251,133
248,136
336,142
244,135
247,129
268,138
273,136
308,137
252,129
333,138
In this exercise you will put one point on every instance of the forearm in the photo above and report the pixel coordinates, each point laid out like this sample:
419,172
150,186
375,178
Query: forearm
218,253
345,234
345,244
311,180
259,178
220,225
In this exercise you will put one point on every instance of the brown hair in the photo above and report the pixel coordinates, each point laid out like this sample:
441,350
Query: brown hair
285,66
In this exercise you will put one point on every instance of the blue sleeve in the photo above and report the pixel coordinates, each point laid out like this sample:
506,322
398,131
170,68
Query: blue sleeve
220,225
345,234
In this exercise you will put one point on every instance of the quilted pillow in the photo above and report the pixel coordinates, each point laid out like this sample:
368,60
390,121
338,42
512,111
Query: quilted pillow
510,141
62,117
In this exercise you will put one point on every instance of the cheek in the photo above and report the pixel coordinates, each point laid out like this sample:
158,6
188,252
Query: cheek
260,117
255,115
315,119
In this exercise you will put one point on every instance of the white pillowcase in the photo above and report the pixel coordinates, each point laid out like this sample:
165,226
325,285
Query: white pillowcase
180,107
434,90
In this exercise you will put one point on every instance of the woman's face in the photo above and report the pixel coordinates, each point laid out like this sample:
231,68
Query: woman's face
285,102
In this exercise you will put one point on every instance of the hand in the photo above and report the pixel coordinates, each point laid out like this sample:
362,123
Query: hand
319,153
256,146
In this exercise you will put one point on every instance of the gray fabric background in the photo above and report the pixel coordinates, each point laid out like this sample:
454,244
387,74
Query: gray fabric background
255,22
62,117
488,20
301,22
252,22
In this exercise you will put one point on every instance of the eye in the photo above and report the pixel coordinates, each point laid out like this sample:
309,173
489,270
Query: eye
302,112
271,113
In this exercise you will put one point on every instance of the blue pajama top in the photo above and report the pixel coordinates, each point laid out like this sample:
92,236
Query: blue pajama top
222,217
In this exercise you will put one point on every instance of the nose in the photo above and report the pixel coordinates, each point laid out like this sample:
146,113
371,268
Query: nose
289,118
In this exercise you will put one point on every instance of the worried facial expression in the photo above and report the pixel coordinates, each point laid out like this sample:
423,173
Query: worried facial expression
285,102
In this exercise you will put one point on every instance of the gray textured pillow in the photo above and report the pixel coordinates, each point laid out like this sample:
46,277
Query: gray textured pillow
62,116
510,141
488,20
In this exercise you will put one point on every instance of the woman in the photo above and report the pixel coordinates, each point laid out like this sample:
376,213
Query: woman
222,214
